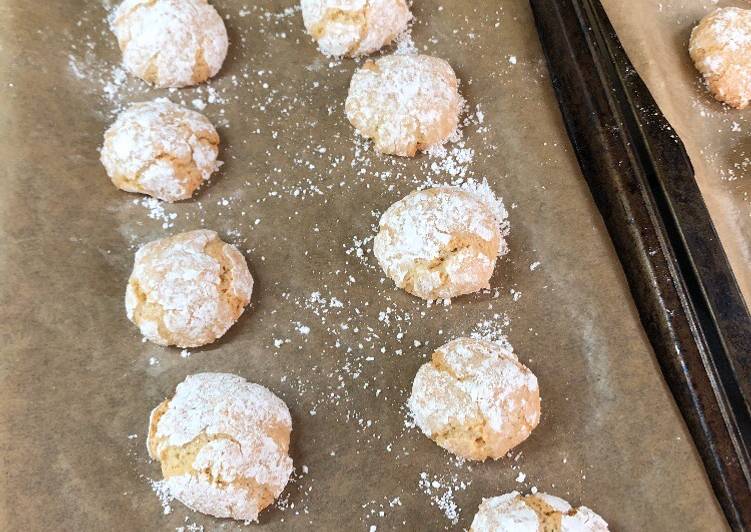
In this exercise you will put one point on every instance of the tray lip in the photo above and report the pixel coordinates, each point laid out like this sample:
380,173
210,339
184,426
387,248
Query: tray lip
688,299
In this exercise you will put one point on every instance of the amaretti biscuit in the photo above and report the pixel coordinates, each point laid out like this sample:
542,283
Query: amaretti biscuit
170,43
439,243
475,399
161,149
514,512
187,290
720,47
404,103
354,27
223,445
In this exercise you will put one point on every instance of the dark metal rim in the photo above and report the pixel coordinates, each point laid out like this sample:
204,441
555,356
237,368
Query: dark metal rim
643,183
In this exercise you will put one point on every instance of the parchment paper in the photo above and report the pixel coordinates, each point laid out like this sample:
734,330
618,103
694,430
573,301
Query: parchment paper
717,138
325,331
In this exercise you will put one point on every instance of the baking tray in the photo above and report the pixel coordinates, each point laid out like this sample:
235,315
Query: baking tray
644,184
716,137
78,382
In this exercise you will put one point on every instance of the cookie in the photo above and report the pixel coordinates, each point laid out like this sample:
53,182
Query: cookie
187,290
222,443
354,27
513,512
439,243
170,43
475,399
720,47
404,103
161,149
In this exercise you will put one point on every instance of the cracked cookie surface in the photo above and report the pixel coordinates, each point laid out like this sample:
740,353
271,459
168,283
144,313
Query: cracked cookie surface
170,43
187,290
513,512
223,445
404,103
439,243
354,27
475,399
720,47
161,149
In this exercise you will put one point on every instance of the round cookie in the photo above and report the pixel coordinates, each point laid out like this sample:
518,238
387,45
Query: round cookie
187,290
161,149
170,43
475,399
222,443
513,512
404,103
720,47
354,27
439,243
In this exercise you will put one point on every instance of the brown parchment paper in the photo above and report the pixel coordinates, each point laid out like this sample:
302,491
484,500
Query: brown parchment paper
325,331
717,138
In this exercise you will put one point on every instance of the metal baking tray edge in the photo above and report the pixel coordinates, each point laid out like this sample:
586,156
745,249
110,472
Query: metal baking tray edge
643,183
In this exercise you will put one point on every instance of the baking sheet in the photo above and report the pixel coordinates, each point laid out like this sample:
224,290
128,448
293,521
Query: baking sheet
325,331
717,138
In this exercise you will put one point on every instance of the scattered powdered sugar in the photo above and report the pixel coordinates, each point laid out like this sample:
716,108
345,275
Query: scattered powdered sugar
441,490
405,45
453,160
482,190
492,330
190,527
156,211
161,489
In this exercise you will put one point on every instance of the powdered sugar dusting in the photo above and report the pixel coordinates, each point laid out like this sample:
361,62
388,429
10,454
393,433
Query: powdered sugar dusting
471,382
436,227
512,511
176,293
354,27
441,491
721,49
251,426
404,103
161,149
170,43
482,190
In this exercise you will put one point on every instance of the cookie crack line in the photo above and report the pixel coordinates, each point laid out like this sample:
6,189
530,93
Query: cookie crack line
143,299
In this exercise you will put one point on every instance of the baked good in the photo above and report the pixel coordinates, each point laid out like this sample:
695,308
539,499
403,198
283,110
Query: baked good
541,512
188,289
404,103
223,444
475,399
161,149
170,43
720,47
439,243
354,27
